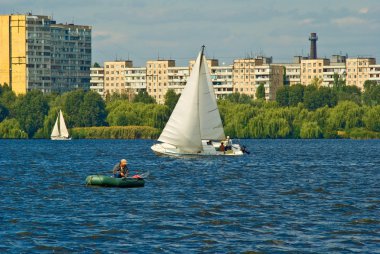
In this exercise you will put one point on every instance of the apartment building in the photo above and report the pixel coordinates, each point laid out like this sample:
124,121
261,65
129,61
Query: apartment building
97,80
221,77
38,53
271,76
312,69
358,71
115,76
374,72
177,78
135,79
157,78
244,75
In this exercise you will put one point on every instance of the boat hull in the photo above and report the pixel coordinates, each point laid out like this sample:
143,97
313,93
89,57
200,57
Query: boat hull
60,138
107,181
208,150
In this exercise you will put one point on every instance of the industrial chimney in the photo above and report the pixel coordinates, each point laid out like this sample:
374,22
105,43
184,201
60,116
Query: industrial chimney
313,45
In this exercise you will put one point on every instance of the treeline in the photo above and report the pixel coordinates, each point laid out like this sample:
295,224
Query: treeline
299,112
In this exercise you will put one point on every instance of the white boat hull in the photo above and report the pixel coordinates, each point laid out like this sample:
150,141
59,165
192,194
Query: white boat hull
60,138
208,150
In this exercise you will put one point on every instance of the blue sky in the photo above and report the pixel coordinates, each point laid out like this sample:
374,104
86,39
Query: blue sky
169,29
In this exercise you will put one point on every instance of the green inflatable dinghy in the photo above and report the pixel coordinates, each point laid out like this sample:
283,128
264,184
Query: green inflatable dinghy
107,181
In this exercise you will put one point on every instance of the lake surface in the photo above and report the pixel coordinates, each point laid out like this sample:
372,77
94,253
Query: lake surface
287,196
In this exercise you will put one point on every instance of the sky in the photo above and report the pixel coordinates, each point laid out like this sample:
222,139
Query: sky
142,30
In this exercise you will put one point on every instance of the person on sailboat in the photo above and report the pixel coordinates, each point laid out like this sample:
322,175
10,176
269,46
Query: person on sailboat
120,169
228,144
222,148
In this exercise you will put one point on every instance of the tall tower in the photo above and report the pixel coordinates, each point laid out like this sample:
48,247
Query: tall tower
313,45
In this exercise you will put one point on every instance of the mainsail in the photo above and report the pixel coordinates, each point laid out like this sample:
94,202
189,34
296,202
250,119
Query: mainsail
196,115
62,126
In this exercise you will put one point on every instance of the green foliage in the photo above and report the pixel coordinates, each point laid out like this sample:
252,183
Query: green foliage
8,99
260,92
282,96
126,113
82,108
92,110
371,95
371,118
171,99
96,65
144,97
238,98
315,97
310,130
72,102
31,110
4,112
362,133
10,128
344,116
115,132
296,94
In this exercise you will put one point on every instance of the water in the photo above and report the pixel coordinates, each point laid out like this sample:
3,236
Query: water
288,196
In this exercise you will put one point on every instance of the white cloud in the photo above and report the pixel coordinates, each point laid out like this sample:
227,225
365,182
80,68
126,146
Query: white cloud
363,10
306,21
348,21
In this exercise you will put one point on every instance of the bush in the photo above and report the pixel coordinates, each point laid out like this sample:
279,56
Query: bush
115,132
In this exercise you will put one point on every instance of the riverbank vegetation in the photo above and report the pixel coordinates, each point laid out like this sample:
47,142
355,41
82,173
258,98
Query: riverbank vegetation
298,112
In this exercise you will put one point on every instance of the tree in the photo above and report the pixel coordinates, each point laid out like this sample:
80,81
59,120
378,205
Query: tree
31,110
338,82
171,99
296,94
92,110
371,95
10,128
310,130
8,99
3,112
96,65
282,96
371,118
238,98
72,102
144,97
260,92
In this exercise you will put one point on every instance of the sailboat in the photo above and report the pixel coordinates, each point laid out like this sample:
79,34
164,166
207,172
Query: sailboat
195,126
60,130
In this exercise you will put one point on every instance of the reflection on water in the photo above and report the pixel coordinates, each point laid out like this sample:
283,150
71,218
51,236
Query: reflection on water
286,196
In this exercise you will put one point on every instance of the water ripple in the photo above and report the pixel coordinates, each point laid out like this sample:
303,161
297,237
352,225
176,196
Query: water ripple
288,196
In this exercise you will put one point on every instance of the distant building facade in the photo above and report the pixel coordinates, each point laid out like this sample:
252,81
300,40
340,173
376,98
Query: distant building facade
38,53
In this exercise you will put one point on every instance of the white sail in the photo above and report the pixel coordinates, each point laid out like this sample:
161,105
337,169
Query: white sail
55,132
59,130
210,121
62,126
196,116
183,128
195,119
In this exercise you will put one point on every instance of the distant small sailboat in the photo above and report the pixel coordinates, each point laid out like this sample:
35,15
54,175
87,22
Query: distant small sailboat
60,130
195,126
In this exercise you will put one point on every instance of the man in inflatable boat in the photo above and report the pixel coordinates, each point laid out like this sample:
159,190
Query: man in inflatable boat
121,170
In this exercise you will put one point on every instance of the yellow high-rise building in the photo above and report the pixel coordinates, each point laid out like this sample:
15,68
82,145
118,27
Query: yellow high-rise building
115,76
312,69
358,71
38,53
13,52
157,78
